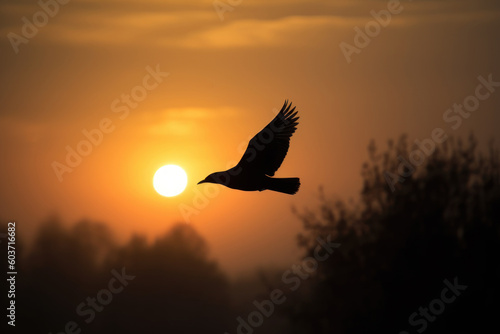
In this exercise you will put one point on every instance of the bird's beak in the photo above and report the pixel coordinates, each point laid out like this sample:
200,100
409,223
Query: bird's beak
202,181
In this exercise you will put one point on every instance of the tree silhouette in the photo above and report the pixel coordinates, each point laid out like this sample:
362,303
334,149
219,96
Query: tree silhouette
176,288
398,246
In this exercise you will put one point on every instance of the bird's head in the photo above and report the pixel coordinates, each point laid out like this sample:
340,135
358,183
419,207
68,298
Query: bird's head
218,177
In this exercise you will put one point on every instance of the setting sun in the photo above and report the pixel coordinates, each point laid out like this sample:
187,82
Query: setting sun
170,180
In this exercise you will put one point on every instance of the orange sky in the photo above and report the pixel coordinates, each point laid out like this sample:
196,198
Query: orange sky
226,80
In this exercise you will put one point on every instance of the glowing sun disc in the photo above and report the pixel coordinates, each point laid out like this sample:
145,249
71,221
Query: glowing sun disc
170,180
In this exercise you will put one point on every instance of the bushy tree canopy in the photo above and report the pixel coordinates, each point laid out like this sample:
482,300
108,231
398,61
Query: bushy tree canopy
399,246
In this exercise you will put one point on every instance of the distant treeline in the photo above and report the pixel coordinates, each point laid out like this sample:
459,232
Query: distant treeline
79,278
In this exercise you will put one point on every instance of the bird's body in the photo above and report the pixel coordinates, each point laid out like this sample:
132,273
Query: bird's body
262,158
245,179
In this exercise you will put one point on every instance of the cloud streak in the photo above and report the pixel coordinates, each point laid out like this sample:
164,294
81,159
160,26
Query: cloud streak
189,27
180,121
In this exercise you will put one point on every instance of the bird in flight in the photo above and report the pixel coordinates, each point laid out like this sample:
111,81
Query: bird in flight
262,158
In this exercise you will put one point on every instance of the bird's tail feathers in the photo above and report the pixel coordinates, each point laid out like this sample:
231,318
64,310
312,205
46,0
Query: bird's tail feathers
289,185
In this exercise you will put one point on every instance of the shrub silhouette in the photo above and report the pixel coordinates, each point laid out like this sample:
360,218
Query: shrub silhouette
398,247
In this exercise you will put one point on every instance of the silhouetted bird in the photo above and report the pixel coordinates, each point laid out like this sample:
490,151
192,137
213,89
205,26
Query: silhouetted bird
262,158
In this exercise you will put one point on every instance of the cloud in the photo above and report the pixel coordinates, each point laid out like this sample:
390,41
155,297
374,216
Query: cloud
246,33
190,25
139,28
180,121
171,128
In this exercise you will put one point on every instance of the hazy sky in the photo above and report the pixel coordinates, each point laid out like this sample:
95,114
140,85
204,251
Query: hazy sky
228,72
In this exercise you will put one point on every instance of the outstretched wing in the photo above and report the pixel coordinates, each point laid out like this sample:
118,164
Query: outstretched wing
268,148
